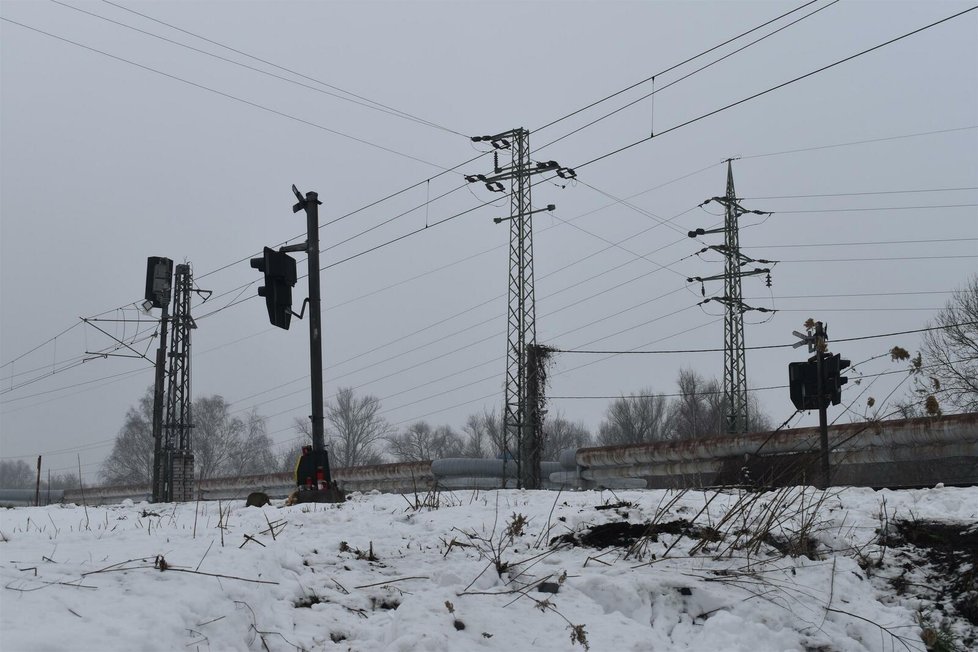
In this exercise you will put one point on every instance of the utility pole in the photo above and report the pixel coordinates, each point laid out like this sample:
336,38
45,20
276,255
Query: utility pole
521,313
734,358
159,273
314,464
310,204
823,423
158,459
178,480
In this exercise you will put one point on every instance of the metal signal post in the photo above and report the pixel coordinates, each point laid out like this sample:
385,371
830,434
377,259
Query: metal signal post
816,383
312,470
159,273
310,204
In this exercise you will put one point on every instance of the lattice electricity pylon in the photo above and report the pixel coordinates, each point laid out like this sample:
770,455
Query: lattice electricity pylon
178,420
734,359
521,314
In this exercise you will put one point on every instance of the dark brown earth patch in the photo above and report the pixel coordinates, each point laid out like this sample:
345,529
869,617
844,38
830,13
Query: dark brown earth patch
620,534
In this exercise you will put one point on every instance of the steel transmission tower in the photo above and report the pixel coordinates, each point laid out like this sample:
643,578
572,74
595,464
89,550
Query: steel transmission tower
734,359
734,363
521,314
178,454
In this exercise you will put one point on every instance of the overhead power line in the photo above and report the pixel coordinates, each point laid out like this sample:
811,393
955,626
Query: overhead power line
229,96
686,76
673,67
860,244
770,346
858,294
749,389
370,104
47,341
864,260
859,194
867,141
367,102
876,208
774,88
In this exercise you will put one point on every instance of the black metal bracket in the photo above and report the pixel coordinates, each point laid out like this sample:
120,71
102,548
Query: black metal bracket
302,312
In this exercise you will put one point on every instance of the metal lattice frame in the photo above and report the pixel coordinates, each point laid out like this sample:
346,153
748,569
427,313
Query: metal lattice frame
178,420
521,328
734,359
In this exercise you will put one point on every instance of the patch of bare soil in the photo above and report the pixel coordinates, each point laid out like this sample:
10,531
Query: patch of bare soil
946,554
620,534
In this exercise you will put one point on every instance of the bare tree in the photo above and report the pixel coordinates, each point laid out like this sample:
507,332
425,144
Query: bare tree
698,410
214,435
950,354
422,442
559,433
66,480
131,459
484,436
16,475
355,428
251,452
222,444
757,419
637,418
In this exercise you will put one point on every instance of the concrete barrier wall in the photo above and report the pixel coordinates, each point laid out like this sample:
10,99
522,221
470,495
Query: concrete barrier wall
404,477
899,453
27,497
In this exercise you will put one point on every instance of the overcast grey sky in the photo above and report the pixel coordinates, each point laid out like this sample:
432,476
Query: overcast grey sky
116,145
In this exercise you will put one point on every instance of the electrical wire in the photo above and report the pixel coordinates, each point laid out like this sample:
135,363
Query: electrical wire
373,104
749,389
47,341
772,346
859,244
880,259
673,67
229,96
859,194
875,208
883,139
774,88
684,77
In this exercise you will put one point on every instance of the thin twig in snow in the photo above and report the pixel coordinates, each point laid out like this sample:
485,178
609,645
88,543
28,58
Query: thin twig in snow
400,579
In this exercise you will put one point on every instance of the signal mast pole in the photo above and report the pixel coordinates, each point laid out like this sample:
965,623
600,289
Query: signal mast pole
310,204
312,472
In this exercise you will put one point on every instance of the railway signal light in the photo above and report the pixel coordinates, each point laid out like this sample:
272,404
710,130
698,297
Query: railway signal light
833,365
803,384
280,277
159,271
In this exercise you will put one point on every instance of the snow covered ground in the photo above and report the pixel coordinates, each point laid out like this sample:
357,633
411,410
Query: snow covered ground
464,571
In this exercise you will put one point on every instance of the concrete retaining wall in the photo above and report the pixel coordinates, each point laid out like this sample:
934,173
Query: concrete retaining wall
900,453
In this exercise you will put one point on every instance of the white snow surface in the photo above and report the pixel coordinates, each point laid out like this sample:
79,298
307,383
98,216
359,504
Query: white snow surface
77,578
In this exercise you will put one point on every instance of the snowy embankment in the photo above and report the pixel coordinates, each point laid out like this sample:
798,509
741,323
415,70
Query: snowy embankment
793,569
